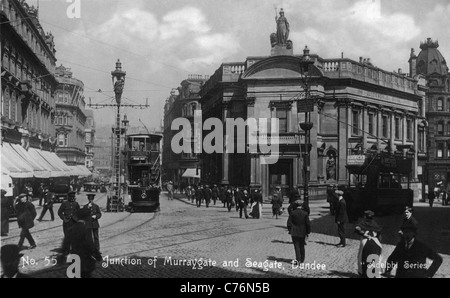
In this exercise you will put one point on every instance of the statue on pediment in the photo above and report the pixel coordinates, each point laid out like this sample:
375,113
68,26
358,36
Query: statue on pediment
282,29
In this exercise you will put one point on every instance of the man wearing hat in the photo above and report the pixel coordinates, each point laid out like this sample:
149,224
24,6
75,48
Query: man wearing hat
299,230
341,217
5,205
256,204
26,213
92,220
369,231
410,256
68,211
10,259
48,205
170,190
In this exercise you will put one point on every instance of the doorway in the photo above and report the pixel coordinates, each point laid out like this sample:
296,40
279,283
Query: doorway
280,174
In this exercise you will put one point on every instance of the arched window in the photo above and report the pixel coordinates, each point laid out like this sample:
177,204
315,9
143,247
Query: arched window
440,104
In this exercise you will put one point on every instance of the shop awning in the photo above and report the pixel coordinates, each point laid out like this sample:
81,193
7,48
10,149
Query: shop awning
191,173
7,184
85,171
13,164
56,162
38,170
39,156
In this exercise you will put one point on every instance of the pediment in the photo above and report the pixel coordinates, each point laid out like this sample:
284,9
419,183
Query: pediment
278,67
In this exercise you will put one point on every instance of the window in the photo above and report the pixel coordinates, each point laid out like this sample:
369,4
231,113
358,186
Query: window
63,140
398,128
440,150
371,123
88,138
440,128
409,129
421,140
448,105
282,117
440,104
385,126
448,128
355,122
448,150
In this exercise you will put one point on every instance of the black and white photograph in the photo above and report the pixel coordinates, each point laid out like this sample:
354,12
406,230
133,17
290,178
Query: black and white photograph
225,144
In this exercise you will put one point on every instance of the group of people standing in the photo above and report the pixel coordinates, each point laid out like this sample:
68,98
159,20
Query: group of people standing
80,226
237,197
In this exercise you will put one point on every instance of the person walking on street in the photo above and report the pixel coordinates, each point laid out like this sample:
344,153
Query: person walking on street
277,202
92,222
170,190
199,196
215,193
26,213
431,197
68,211
5,205
369,232
243,203
341,217
299,231
41,193
410,256
207,195
48,205
229,198
256,204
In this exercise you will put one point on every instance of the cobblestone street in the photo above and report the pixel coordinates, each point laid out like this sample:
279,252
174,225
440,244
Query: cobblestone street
164,244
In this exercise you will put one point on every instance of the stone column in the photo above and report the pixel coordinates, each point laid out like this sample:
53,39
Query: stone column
225,155
344,114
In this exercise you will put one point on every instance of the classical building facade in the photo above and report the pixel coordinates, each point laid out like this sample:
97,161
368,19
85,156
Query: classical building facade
357,107
432,65
70,118
27,76
183,102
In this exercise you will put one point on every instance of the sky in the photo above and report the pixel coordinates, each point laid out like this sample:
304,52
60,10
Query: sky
161,42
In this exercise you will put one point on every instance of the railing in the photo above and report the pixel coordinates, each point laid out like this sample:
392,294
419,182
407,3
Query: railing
227,72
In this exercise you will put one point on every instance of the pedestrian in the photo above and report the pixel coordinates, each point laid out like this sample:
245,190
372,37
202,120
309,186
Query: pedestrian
237,197
207,195
370,245
92,222
10,259
199,196
243,203
410,256
294,195
431,197
170,190
277,202
5,205
444,197
26,213
341,217
256,207
68,211
41,193
48,205
215,193
299,231
229,198
331,198
78,241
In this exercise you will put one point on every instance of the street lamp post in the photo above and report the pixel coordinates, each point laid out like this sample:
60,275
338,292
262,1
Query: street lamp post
307,125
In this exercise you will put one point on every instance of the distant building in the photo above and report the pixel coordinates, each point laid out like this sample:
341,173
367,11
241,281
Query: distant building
102,150
183,102
70,118
89,139
431,65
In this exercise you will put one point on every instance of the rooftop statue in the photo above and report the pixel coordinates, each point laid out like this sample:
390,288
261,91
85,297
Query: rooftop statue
282,29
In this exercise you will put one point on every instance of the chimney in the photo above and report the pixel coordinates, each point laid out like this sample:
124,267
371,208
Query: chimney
360,59
400,71
412,64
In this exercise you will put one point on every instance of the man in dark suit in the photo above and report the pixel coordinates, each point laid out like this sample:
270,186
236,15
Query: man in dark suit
68,211
410,256
92,221
26,213
341,217
299,230
10,259
48,205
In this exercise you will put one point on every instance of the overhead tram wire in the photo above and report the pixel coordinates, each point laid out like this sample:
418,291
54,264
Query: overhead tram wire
115,47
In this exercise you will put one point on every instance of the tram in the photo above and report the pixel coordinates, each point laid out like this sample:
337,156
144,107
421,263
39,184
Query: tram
378,181
143,157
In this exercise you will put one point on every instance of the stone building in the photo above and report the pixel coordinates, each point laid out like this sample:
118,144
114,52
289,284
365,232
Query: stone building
183,102
89,132
70,119
432,65
358,106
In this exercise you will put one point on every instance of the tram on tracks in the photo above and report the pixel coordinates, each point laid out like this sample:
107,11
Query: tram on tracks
143,168
378,181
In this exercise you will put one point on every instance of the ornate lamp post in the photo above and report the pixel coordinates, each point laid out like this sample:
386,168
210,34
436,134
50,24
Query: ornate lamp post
118,80
306,106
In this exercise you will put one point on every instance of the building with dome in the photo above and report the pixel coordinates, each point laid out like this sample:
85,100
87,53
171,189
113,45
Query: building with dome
432,66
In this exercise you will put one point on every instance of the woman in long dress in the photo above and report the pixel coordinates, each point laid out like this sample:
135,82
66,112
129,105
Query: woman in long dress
256,208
